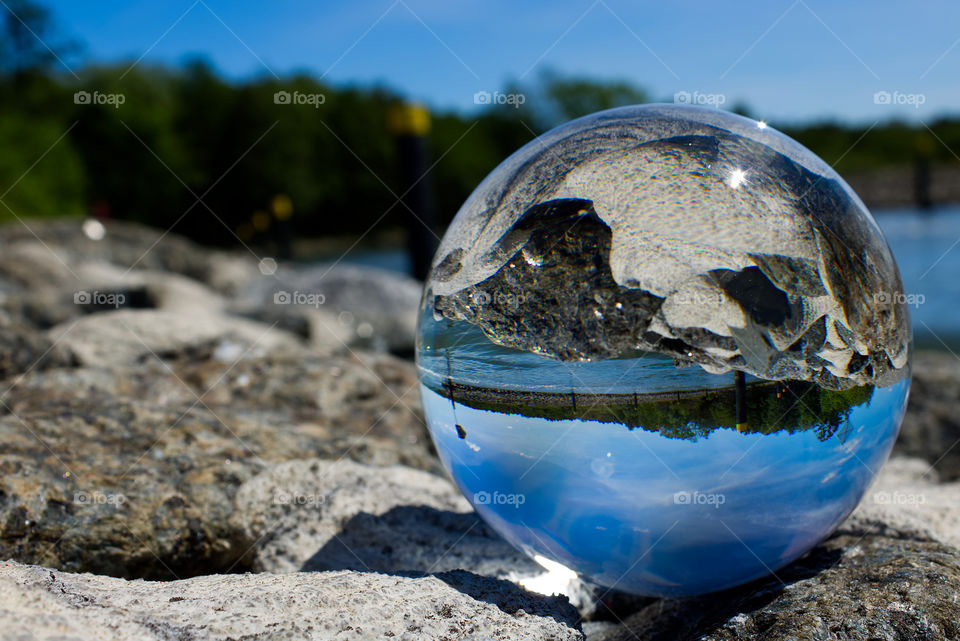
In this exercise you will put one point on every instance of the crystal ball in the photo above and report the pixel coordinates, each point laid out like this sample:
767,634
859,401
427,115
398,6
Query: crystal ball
666,347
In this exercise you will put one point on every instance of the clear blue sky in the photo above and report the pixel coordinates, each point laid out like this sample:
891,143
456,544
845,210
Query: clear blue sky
789,60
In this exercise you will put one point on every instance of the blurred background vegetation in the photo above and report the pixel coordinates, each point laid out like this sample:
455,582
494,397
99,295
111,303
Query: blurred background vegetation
179,133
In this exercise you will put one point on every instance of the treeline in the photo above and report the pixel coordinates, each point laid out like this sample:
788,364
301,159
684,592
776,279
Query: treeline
147,143
158,145
769,407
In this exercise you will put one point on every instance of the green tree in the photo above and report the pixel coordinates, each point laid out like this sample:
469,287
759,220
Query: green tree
39,176
134,157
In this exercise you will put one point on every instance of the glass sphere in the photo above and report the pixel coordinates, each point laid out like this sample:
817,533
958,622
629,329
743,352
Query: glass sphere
665,346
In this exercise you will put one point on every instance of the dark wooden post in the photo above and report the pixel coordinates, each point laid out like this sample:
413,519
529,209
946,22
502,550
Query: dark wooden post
410,124
740,395
282,209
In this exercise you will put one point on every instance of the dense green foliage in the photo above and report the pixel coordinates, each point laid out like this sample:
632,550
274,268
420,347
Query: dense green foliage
184,134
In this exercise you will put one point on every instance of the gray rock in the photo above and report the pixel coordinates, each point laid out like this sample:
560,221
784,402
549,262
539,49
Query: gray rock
594,629
54,259
44,267
859,588
24,348
512,313
319,327
39,604
155,290
906,501
41,308
58,245
33,264
124,337
132,471
323,515
377,308
931,427
230,273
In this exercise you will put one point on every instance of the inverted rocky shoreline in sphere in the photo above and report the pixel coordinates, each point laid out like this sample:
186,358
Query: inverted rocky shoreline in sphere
265,468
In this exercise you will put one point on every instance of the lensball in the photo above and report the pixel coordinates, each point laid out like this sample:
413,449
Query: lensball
665,346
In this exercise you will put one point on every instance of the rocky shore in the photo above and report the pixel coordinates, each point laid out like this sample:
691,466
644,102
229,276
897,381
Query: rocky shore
186,453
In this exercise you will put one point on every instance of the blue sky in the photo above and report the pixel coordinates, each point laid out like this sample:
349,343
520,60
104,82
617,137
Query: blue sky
790,60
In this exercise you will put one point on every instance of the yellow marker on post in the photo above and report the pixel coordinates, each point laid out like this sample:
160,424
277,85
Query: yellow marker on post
408,119
281,206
